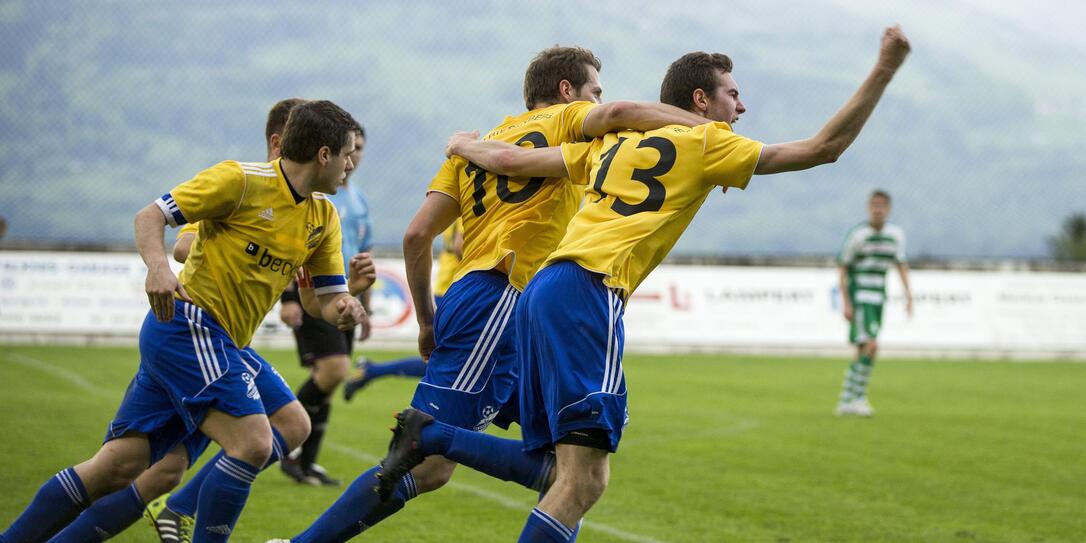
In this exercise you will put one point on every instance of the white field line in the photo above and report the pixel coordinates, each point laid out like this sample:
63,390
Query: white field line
58,372
507,502
524,506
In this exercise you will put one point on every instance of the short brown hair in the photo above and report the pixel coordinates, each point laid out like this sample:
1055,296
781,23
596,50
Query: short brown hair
316,124
550,67
691,72
879,193
277,116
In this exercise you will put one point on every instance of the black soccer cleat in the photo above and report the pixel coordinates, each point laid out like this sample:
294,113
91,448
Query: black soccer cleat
404,451
318,473
293,468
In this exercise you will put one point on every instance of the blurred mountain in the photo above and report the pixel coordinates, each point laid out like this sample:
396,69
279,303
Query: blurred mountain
105,106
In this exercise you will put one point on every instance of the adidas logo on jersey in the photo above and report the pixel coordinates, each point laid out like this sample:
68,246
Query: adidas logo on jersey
266,215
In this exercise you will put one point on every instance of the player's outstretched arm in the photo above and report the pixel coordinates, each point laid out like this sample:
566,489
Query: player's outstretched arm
161,283
840,131
437,213
640,116
505,158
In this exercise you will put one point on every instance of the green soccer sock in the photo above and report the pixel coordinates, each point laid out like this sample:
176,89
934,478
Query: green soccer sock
863,374
846,386
856,377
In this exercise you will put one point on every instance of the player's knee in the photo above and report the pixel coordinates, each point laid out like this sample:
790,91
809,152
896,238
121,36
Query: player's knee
118,473
583,467
587,485
160,479
331,371
433,474
293,424
254,449
871,348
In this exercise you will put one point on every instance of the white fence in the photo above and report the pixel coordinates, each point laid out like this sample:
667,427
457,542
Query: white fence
98,297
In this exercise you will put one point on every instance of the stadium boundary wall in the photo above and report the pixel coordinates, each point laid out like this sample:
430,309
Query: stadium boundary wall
98,298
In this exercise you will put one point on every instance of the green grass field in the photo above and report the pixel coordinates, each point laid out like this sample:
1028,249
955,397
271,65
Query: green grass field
720,448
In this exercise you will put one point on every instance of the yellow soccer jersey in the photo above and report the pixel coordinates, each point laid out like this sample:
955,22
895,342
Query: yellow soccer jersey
447,259
644,189
188,228
513,224
254,234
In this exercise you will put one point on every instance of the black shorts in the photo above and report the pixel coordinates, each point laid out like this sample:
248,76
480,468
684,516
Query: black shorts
318,339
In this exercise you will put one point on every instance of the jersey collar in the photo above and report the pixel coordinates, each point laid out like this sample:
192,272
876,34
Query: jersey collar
298,198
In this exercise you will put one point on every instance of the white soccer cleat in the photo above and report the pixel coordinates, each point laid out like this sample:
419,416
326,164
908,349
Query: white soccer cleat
277,541
862,408
855,408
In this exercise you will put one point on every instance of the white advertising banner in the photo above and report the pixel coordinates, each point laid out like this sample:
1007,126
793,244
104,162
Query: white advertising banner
677,308
754,307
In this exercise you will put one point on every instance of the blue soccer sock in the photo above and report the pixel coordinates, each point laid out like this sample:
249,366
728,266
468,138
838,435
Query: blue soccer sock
57,502
183,502
358,508
104,519
406,367
504,459
222,497
543,528
576,529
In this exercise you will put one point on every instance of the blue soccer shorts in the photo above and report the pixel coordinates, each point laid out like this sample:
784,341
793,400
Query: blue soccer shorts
187,366
569,344
471,375
274,392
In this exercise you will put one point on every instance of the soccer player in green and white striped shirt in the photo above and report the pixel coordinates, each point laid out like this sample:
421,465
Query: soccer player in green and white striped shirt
870,249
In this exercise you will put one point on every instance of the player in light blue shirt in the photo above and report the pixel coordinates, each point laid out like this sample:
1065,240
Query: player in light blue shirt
357,228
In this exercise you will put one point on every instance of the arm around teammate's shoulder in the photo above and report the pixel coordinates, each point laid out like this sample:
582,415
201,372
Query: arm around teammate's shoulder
841,130
505,158
640,116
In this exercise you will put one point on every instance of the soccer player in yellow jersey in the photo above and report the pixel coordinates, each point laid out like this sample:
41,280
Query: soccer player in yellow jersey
262,222
510,226
643,190
173,520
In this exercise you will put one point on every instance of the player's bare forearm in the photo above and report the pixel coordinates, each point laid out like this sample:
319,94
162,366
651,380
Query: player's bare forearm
507,159
842,285
341,310
842,129
438,212
418,262
183,246
327,304
150,228
161,283
361,274
903,272
308,300
641,116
